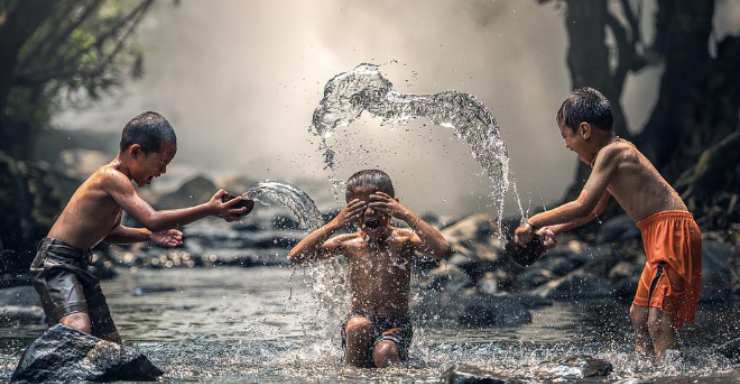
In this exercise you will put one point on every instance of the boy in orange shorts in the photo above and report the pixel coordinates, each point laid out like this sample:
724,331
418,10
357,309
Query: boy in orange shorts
668,292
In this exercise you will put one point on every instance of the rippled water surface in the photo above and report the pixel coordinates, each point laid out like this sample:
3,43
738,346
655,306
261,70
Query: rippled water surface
231,325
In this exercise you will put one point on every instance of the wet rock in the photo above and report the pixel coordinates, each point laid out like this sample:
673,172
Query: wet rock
448,277
284,222
584,366
488,284
616,229
194,191
716,275
466,374
151,289
475,227
624,277
494,310
32,194
730,350
24,296
64,355
578,284
525,256
19,314
532,278
564,258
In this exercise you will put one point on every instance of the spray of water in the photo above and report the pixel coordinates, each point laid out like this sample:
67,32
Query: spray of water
324,278
364,89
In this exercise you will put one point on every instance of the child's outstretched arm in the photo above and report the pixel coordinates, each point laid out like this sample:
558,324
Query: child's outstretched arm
592,192
596,212
315,246
123,192
428,239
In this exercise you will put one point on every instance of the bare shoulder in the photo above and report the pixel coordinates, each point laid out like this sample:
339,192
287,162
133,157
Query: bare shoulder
617,152
112,179
344,240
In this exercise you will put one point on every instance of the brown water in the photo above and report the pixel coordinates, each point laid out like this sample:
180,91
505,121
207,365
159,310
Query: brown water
231,325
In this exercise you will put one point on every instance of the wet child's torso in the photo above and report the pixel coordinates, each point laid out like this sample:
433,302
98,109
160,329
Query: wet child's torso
90,215
639,188
379,274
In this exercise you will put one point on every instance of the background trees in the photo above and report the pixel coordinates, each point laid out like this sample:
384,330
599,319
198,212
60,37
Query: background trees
692,133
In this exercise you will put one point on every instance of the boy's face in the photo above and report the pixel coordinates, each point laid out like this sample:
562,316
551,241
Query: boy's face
146,166
577,140
372,222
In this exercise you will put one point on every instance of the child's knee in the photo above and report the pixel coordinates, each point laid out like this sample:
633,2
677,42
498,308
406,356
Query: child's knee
358,326
79,321
385,352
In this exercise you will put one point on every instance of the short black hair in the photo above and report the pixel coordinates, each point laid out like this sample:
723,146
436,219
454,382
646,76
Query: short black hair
586,104
150,130
373,178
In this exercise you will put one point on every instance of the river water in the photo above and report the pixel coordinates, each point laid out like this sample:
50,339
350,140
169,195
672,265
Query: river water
233,325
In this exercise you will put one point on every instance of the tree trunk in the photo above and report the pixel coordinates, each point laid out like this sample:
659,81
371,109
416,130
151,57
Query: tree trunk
21,22
588,64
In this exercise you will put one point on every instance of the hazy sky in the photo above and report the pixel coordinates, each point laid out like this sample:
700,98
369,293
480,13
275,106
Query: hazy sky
239,80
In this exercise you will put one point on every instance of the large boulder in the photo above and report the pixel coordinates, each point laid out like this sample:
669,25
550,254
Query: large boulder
64,355
475,227
578,284
194,191
617,229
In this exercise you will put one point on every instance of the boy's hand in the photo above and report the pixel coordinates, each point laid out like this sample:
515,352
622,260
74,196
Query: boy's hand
227,210
388,205
350,212
548,237
523,234
167,238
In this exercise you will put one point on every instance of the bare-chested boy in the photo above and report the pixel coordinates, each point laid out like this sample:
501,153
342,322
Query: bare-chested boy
378,331
70,294
668,292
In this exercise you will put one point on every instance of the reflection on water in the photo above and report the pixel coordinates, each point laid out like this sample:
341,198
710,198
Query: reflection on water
247,325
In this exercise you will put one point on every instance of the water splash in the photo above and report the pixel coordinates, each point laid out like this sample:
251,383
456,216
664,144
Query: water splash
291,197
325,278
364,89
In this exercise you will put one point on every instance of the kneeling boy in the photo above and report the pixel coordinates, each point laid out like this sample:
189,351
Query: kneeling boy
378,331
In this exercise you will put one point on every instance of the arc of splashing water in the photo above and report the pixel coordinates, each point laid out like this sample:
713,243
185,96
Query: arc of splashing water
296,200
326,278
364,89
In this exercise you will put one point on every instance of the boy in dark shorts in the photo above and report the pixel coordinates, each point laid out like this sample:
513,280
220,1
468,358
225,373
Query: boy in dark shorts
70,294
667,296
378,331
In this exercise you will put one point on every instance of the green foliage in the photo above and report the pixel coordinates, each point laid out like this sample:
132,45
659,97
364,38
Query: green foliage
53,48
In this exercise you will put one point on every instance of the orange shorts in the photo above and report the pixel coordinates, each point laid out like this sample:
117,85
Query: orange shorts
671,279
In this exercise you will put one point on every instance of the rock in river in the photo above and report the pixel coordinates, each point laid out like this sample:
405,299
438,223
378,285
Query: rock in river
64,355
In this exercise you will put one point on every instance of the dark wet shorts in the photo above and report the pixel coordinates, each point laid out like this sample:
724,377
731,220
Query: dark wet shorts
60,274
398,331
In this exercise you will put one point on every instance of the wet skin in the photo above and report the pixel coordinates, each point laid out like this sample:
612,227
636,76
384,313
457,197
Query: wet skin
620,170
379,265
94,211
